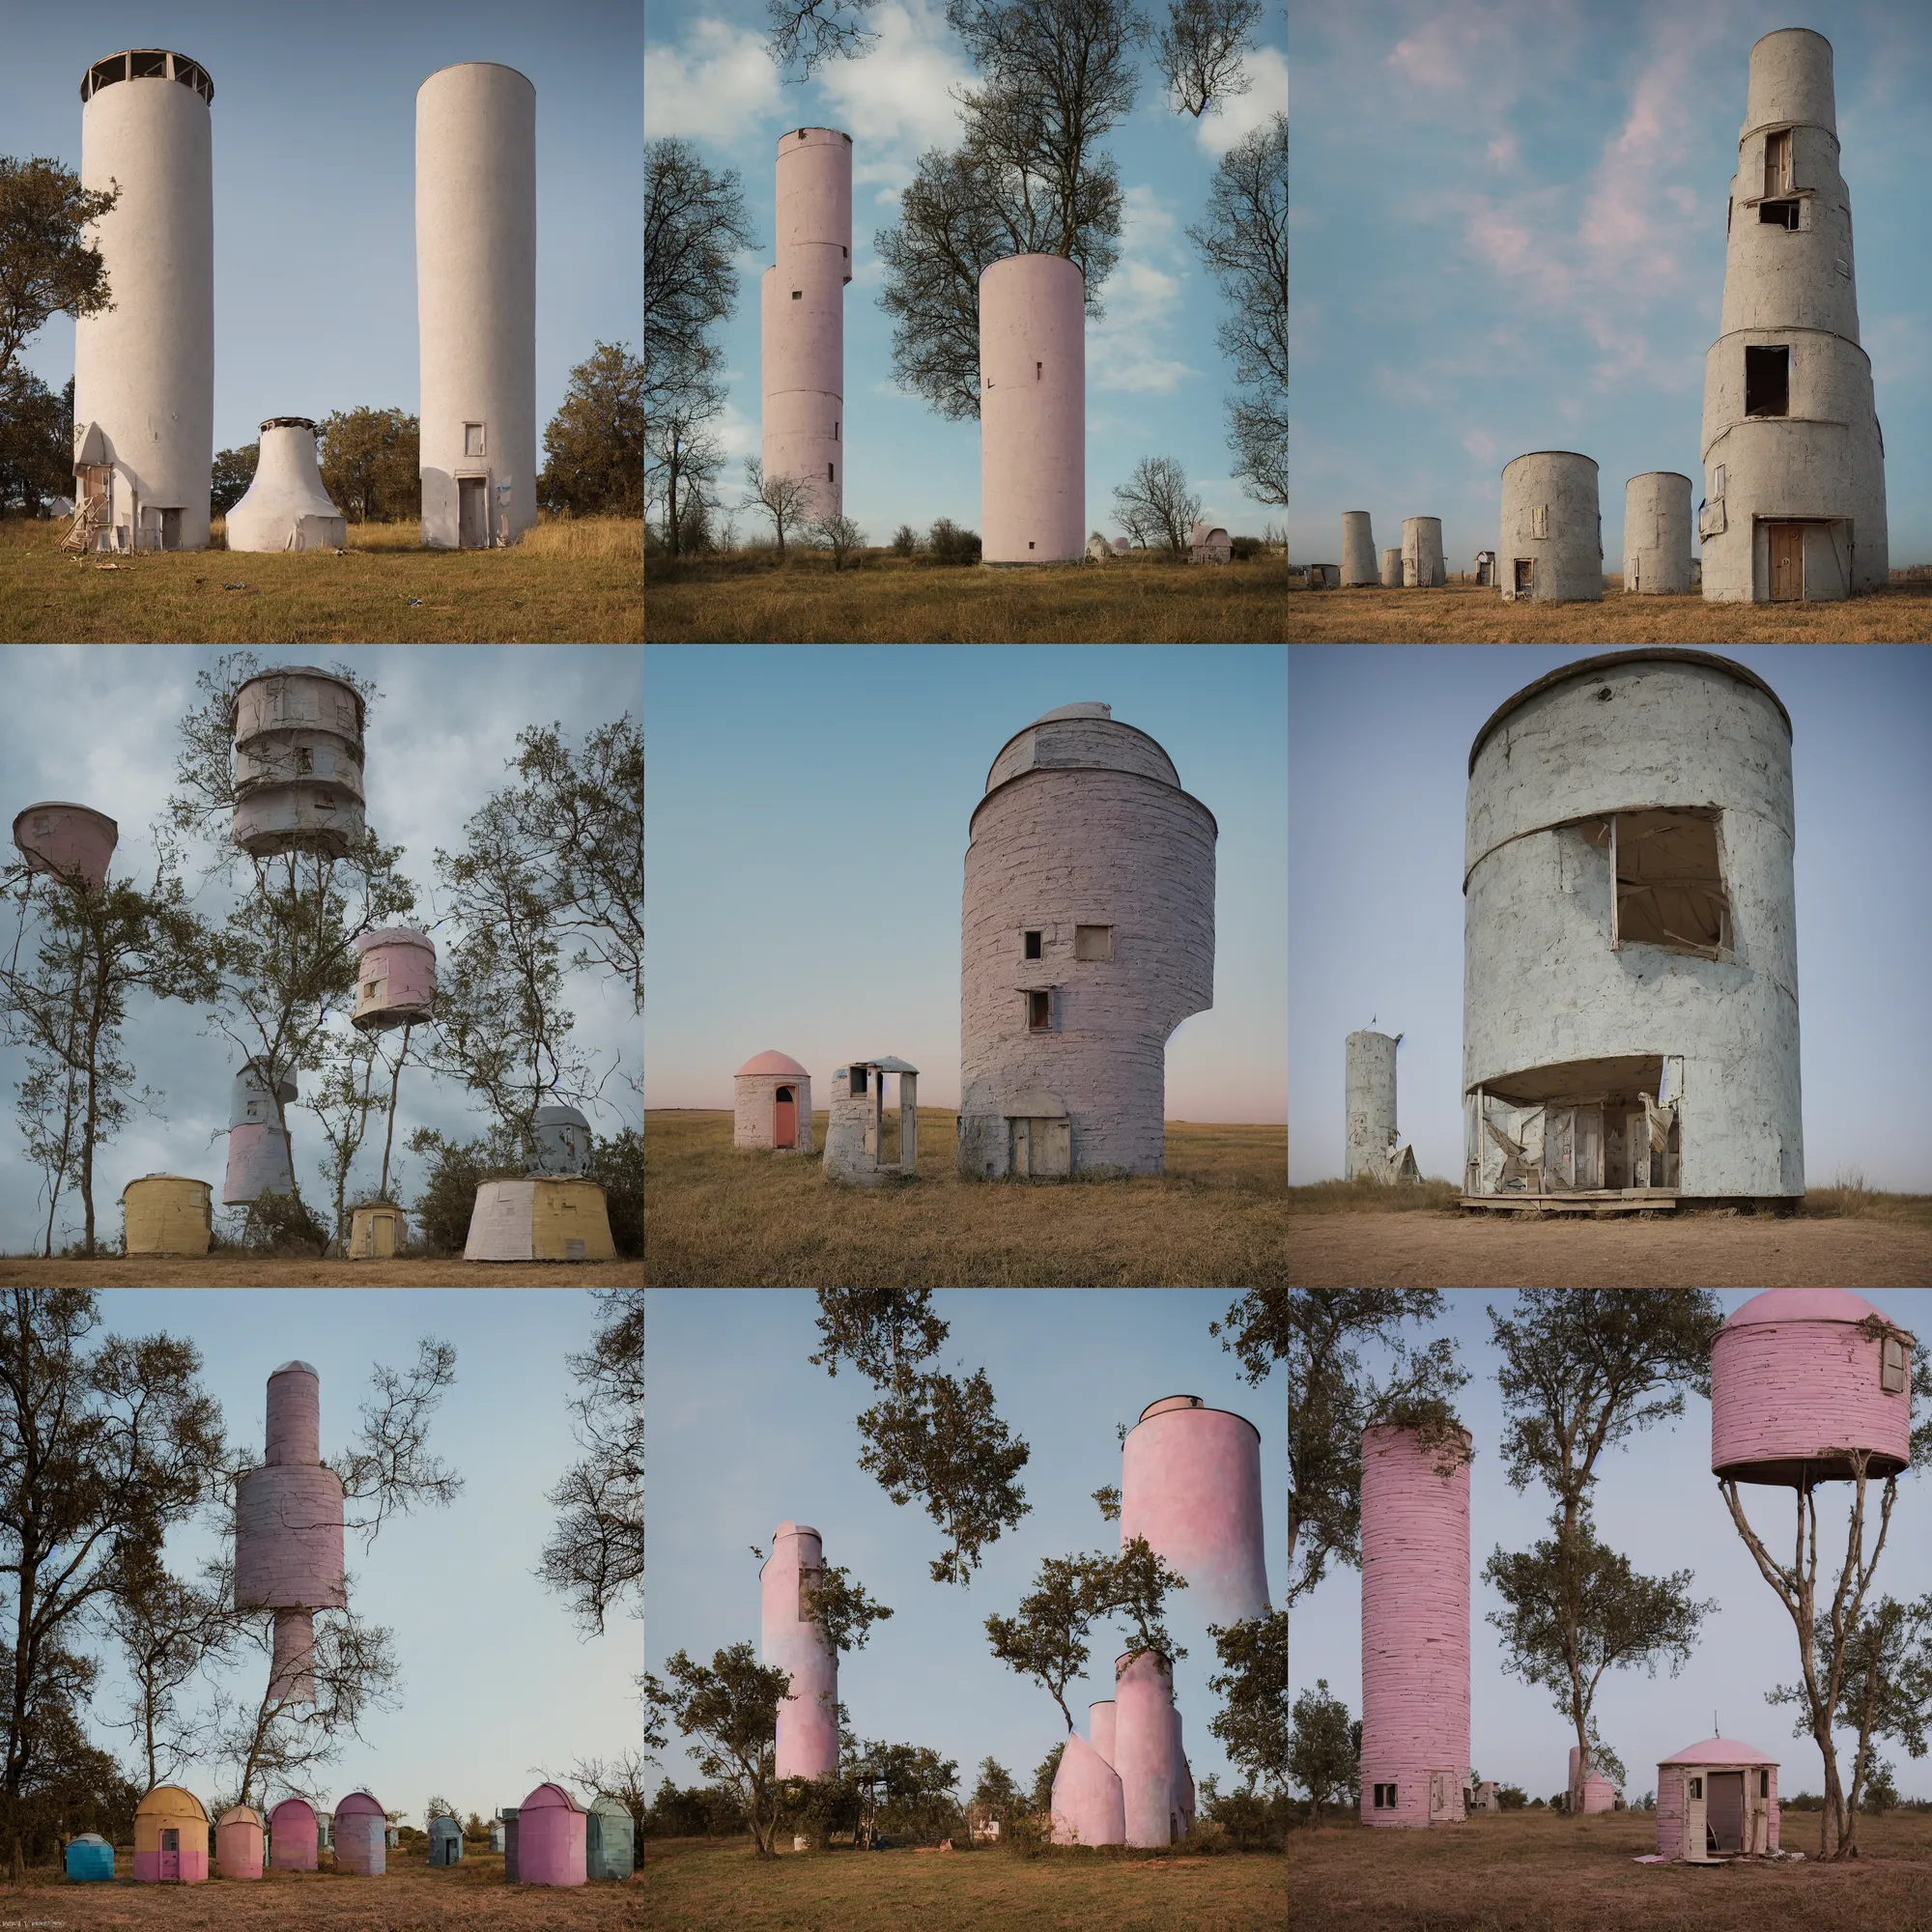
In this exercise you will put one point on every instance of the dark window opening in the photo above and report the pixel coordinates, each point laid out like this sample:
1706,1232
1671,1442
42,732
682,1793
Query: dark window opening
1764,1784
1669,883
857,1080
1040,1013
835,432
1384,1798
1696,1787
1525,574
1033,940
304,758
829,477
844,251
798,295
1777,162
1029,545
1767,381
1036,368
1779,213
783,1094
1092,942
148,64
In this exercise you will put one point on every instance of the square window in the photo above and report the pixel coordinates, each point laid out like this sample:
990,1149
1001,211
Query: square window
1779,213
1040,1013
798,295
857,1080
1696,1787
1669,883
1891,1369
1033,940
1768,380
473,439
1092,942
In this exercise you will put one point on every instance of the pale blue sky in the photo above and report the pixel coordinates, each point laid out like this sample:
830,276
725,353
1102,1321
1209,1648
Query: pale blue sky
1380,740
806,832
1154,377
1509,227
314,144
496,1677
744,1433
1657,1501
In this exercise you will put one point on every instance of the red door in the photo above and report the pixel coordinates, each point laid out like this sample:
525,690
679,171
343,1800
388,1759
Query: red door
784,1119
171,1856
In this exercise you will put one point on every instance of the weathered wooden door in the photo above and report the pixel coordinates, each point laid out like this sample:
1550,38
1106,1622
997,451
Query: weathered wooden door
1022,1161
1441,1795
785,1118
1788,562
1728,1811
1589,1146
171,1856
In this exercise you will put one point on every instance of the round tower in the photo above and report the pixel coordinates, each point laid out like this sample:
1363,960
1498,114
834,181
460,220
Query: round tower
1553,532
1392,569
1191,1484
807,1739
772,1104
395,984
1422,553
144,367
1415,1627
1794,460
1032,410
258,1137
286,507
298,763
1369,1078
1631,816
1599,1793
1086,936
476,303
802,317
1801,1376
1657,534
1144,1746
287,1530
1358,550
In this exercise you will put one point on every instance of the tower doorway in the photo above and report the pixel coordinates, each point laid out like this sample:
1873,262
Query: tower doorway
1788,562
473,512
785,1118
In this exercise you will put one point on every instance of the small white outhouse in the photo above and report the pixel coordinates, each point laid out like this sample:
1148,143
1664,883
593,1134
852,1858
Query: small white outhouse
1714,1800
772,1104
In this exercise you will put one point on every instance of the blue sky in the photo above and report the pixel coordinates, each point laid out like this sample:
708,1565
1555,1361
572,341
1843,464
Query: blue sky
806,832
496,1677
1509,228
1154,377
1657,1502
314,141
437,744
1380,740
744,1433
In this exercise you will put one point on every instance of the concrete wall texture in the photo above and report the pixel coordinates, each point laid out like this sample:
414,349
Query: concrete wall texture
1369,1099
1812,461
1144,1746
395,979
1657,534
476,300
1415,1627
144,369
1358,549
1088,1804
1422,567
57,838
166,1214
1392,569
1795,1382
1551,523
1032,410
1083,823
808,1737
755,1104
1543,986
284,506
801,316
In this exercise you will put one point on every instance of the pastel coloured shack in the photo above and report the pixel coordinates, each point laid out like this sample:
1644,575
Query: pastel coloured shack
772,1104
361,1836
90,1858
395,982
292,1837
445,1841
551,1838
167,1214
544,1218
170,1837
237,1842
1716,1800
609,1839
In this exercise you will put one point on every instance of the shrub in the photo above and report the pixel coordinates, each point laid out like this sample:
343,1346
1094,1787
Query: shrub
281,1224
905,541
950,543
1510,1797
617,1166
1243,547
1536,1805
441,1210
1249,1821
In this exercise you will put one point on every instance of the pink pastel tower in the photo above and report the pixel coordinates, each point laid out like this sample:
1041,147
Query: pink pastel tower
1416,1630
1599,1793
808,1743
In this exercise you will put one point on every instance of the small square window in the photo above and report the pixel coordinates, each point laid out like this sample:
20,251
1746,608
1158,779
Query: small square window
473,439
1092,942
857,1080
1033,940
1892,1368
1671,883
1696,1787
1040,1013
798,295
1767,378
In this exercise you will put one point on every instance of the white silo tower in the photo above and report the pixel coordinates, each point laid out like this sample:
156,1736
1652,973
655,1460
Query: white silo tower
1422,566
1033,410
1657,534
286,507
802,317
1794,461
476,303
1552,531
144,369
1358,549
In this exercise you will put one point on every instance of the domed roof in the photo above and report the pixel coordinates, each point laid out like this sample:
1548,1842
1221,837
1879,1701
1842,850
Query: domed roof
771,1060
245,1814
169,1799
359,1803
1081,737
1718,1750
306,1368
1804,1304
551,1797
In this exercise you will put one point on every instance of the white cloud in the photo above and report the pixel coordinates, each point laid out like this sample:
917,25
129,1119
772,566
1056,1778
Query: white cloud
1244,113
718,85
1126,349
897,102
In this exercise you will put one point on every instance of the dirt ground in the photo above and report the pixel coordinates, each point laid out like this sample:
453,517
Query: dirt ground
1428,1249
243,1271
1538,1871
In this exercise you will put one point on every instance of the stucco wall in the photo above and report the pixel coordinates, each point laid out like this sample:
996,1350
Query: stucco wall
1550,516
1657,534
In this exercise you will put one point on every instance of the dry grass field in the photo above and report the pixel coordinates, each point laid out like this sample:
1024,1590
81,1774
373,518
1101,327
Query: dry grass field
410,1897
565,583
708,1884
715,1218
1539,1872
1464,614
227,1270
745,600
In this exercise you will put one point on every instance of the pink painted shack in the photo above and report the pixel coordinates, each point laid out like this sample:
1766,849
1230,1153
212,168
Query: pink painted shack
772,1104
1144,1751
1799,1376
361,1836
1716,1801
808,1736
237,1842
1086,1798
1599,1793
292,1835
551,1838
66,842
1415,1627
170,1837
396,984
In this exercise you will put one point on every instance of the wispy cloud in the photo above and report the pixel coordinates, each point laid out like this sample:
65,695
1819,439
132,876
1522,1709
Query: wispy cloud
1126,350
718,84
897,101
1244,113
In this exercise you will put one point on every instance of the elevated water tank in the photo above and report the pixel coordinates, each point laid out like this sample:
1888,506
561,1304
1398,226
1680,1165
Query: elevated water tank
808,1729
286,506
66,841
257,1143
396,983
298,763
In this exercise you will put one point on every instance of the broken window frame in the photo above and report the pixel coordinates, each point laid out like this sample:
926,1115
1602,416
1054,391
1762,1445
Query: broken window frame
1033,943
1761,350
1892,1372
1780,214
1719,895
1039,1003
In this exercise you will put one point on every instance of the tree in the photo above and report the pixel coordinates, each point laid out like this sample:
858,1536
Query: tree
1201,51
785,500
1256,1330
1136,1587
840,535
621,1779
950,543
36,441
682,457
1258,436
1156,502
1331,1399
811,31
234,472
841,1607
1582,1369
996,1795
1048,1640
48,264
905,541
371,463
1324,1748
731,1707
694,222
1043,1777
168,1631
104,1447
1253,1722
387,1469
595,445
342,1104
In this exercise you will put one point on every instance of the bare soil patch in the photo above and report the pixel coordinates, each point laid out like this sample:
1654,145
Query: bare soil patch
246,1271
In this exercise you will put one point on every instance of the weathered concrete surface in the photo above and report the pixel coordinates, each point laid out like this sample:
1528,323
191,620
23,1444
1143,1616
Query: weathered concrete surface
1392,569
1370,1101
756,1085
1543,984
1422,553
1086,1798
1657,534
854,1132
1358,549
1144,1746
1033,410
808,1735
1551,520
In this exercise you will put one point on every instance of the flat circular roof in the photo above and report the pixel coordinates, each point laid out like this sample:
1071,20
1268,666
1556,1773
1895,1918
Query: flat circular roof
1589,667
1578,453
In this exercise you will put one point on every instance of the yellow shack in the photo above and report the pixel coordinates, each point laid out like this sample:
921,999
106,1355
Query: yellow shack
167,1214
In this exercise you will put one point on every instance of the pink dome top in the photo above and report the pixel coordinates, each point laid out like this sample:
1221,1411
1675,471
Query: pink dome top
1725,1750
772,1062
1803,1304
358,1803
550,1797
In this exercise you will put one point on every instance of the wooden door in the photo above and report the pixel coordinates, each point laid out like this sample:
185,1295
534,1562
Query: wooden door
1788,562
1726,1809
1058,1140
171,1857
785,1118
1022,1162
1589,1146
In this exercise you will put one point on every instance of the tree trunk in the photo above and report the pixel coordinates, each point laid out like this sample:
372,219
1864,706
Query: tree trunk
388,1139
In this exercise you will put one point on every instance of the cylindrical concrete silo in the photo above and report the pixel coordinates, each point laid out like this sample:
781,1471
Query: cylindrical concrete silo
1086,936
1657,534
286,507
1796,1380
1191,1484
288,1531
1358,550
807,1737
1087,1805
1144,1744
1370,1081
1392,569
1100,1726
144,367
298,763
1415,1629
66,842
1422,553
1552,531
802,317
1032,410
166,1214
476,303
1630,815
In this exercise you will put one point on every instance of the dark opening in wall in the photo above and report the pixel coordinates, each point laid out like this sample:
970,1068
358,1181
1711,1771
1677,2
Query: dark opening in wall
1779,213
858,1081
1669,885
1767,381
1040,1013
1033,946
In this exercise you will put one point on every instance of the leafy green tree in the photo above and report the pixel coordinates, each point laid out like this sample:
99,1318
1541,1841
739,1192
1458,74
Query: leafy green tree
1042,1779
36,441
1047,1639
997,1796
371,463
234,473
1253,1722
1256,1330
1324,1749
730,1708
595,445
48,264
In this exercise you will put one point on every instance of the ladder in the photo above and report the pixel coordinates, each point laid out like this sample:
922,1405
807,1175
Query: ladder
84,525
